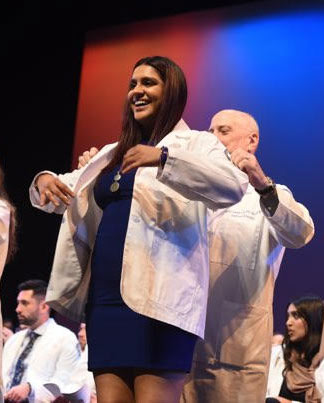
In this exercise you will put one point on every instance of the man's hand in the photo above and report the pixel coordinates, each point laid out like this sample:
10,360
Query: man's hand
51,189
248,163
86,157
18,393
141,156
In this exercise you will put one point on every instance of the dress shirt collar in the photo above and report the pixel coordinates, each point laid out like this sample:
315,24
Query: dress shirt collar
40,330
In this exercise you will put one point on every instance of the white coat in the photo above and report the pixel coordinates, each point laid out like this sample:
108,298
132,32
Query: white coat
4,243
165,270
247,245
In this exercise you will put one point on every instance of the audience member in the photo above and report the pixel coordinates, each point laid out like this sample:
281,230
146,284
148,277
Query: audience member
7,244
39,361
292,376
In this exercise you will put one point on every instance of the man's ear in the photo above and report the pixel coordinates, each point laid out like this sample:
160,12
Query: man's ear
253,142
44,306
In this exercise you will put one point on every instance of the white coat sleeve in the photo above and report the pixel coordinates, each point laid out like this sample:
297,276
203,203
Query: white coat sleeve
204,173
275,377
73,179
319,379
291,223
68,179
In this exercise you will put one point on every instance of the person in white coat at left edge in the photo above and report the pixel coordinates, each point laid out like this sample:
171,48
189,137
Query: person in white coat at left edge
165,264
7,246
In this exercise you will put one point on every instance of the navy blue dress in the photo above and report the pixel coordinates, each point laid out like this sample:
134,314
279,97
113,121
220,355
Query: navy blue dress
118,336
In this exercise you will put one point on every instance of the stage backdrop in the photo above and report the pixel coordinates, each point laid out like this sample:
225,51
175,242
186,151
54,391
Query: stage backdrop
268,62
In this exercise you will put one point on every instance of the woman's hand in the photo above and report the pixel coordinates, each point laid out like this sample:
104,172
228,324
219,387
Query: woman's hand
141,156
51,189
86,157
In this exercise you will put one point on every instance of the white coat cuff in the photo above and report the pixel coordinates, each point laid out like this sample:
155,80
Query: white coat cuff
35,197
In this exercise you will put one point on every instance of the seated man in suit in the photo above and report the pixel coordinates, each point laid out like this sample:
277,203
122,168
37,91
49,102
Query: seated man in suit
38,361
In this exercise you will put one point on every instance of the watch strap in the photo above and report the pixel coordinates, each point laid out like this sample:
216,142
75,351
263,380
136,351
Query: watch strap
270,188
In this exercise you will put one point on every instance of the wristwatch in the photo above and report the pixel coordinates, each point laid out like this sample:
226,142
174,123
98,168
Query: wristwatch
270,188
163,156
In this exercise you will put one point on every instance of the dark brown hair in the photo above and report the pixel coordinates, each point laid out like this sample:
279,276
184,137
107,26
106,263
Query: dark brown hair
311,309
172,107
39,287
13,222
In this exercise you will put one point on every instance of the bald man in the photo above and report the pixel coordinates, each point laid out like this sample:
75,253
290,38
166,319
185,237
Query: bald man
247,244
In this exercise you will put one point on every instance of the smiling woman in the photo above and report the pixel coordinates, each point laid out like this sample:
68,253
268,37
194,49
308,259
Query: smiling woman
136,218
145,96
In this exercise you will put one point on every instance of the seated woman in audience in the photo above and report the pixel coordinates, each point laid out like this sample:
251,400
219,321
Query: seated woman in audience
293,376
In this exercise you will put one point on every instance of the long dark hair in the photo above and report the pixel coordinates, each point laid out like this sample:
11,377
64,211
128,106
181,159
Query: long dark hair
311,309
172,107
13,222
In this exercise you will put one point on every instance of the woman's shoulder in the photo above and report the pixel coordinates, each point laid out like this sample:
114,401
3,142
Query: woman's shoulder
204,140
196,140
196,136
